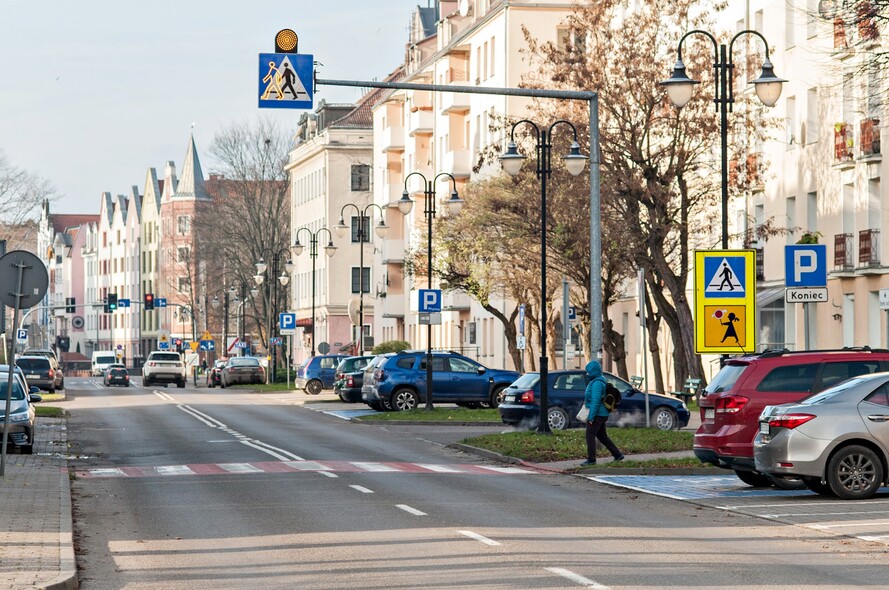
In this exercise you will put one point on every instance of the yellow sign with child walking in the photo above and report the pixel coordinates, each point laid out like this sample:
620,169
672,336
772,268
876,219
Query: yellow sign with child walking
725,301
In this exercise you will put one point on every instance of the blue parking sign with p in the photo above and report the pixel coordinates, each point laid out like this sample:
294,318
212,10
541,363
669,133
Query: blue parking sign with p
286,321
805,265
430,301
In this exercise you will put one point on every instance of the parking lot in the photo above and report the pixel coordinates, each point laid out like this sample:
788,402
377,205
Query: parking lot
867,520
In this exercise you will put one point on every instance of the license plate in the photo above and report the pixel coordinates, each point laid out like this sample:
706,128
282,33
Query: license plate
33,376
764,427
509,398
709,413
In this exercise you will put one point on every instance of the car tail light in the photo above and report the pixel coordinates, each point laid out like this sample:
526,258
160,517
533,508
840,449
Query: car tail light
526,397
350,382
127,377
789,420
731,404
51,373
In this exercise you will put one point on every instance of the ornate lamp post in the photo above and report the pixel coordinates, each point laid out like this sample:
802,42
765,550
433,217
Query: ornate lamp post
679,89
454,204
512,161
226,293
362,232
329,249
272,297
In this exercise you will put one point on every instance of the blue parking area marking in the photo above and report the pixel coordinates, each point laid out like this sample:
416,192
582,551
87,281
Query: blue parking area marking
693,487
349,414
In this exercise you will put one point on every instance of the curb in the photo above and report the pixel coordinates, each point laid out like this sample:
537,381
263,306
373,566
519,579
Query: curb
429,423
67,579
582,473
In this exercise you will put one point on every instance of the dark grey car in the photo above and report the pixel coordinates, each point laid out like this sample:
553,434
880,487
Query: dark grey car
836,441
40,372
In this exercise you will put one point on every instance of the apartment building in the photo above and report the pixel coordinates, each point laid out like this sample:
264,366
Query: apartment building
471,42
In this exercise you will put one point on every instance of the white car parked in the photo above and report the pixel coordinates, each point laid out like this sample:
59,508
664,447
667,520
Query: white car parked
164,367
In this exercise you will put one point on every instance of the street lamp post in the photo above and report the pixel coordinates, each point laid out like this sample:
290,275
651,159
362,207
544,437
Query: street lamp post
272,298
329,249
679,89
405,204
241,315
511,161
226,293
362,230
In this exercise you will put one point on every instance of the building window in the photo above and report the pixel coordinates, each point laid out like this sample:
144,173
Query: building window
364,227
364,280
472,333
182,254
183,285
360,177
183,224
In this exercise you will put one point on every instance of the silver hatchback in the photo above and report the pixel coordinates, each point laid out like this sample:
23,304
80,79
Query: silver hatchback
836,441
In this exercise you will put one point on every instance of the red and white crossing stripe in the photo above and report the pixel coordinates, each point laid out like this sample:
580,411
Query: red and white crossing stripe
300,466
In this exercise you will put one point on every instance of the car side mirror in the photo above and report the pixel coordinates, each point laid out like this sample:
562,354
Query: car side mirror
35,397
481,370
34,389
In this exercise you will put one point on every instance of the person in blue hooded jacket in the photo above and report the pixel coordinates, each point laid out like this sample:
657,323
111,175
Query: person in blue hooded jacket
595,426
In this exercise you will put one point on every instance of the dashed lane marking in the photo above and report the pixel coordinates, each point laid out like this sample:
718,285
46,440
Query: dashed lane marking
576,578
410,510
324,467
479,538
361,489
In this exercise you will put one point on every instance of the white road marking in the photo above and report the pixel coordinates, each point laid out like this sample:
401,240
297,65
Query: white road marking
110,472
308,466
576,578
375,467
362,489
196,416
438,468
795,504
410,510
479,538
240,467
205,416
265,450
163,396
174,470
874,537
329,474
504,469
848,524
288,454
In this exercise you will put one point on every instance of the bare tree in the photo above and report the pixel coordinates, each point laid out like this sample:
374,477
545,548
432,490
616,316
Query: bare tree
21,192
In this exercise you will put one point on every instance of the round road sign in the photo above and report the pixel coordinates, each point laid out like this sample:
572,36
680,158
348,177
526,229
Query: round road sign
35,279
324,348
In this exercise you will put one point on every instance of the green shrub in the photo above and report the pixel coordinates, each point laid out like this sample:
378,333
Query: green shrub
391,346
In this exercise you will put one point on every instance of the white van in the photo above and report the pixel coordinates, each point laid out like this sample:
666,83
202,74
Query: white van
101,360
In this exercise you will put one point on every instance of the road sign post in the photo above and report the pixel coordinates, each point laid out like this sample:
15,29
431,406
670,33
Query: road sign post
725,301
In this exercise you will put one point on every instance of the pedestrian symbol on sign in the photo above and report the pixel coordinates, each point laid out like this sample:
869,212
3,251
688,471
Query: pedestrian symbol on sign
724,276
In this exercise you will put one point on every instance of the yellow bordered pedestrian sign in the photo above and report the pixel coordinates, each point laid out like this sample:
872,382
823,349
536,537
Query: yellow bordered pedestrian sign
725,301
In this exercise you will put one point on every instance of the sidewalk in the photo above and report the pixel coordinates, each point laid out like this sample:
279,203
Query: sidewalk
35,514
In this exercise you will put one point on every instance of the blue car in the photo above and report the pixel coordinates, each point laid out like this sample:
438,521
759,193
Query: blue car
317,373
399,381
521,403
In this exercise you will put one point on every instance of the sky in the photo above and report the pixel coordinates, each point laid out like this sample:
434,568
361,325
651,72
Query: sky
94,92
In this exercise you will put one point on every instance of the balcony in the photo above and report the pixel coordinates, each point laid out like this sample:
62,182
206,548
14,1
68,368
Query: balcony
455,301
392,251
393,139
391,305
457,162
842,252
870,137
420,122
840,38
869,248
456,103
843,143
867,25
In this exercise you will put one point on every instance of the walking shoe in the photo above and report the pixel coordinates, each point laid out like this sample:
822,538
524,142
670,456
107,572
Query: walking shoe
619,458
588,462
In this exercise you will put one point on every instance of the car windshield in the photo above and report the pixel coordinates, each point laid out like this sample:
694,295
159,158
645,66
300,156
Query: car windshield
17,392
725,379
165,356
244,362
830,392
33,364
528,380
105,360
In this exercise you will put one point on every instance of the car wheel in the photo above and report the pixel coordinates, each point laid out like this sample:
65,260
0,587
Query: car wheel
313,387
753,478
558,418
376,406
854,473
821,488
127,384
26,449
181,384
222,383
664,419
404,399
146,382
51,390
787,484
497,396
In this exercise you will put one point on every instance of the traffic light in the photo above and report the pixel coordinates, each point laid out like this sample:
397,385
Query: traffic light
112,302
148,302
70,302
105,308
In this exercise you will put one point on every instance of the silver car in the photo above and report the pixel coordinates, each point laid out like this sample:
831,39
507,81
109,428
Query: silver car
836,441
21,412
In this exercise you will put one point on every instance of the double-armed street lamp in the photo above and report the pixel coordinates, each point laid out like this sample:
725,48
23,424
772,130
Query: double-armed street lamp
240,314
362,231
227,294
679,89
329,249
272,296
454,204
512,161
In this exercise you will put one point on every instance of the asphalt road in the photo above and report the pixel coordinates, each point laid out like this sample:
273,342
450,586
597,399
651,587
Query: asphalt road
216,489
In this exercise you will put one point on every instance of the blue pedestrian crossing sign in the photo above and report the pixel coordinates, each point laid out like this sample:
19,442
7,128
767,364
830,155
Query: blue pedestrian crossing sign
724,276
285,80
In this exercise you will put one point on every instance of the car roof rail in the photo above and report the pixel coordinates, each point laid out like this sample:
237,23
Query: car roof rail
784,351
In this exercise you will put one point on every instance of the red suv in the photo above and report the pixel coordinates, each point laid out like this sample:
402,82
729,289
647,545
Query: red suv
733,400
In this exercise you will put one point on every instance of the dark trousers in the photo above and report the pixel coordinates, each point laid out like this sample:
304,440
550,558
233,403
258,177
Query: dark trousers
595,429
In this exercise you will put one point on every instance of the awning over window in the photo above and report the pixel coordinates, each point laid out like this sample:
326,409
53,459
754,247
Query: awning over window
768,295
304,322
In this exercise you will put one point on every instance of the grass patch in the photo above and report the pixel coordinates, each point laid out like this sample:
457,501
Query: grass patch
52,397
49,412
438,415
566,445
